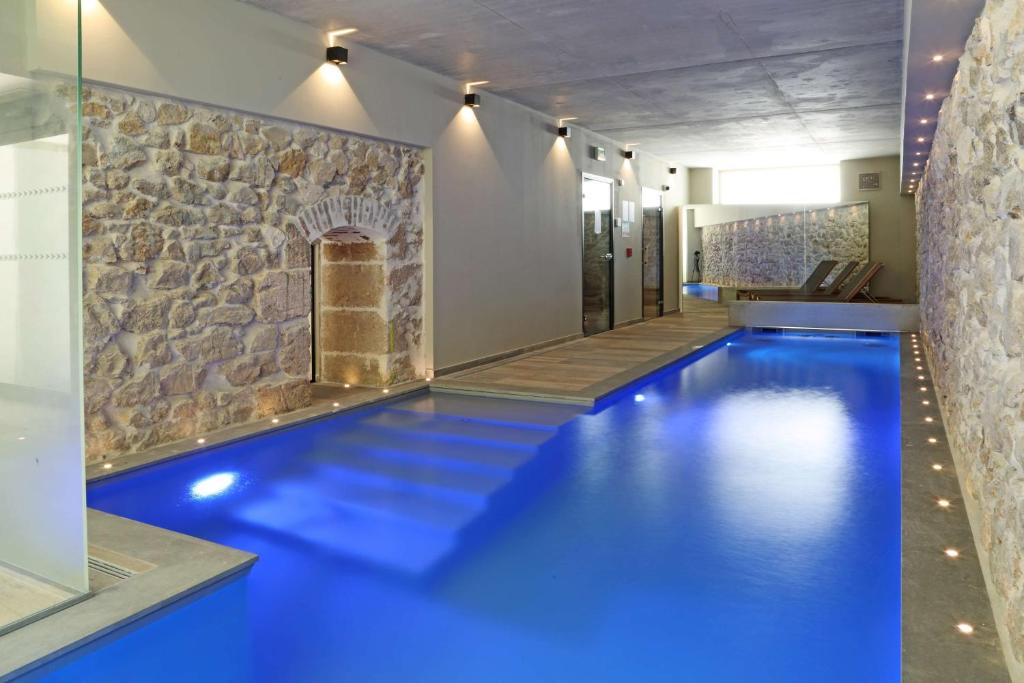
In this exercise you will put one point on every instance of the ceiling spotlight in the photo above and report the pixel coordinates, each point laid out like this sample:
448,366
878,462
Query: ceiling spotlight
930,96
336,54
936,58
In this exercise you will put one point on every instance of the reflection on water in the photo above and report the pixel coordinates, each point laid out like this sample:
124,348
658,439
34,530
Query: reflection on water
781,460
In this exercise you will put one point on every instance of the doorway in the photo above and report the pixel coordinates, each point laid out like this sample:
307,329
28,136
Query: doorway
652,247
597,254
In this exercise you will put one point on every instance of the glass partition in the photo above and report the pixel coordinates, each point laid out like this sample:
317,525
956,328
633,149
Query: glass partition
42,488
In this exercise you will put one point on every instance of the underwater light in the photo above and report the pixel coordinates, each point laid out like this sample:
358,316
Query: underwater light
214,485
639,398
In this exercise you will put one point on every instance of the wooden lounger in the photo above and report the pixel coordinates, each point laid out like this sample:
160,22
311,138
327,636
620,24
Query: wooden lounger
809,286
854,286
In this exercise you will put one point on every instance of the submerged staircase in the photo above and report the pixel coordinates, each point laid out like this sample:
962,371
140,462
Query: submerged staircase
400,486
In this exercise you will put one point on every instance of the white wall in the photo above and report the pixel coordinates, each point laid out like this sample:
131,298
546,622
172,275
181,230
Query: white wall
506,209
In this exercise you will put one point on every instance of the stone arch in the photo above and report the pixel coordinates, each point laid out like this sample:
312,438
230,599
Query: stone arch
348,219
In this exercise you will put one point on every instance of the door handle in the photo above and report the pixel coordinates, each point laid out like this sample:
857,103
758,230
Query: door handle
608,257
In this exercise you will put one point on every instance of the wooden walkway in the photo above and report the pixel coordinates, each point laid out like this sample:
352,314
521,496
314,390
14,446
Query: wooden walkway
584,370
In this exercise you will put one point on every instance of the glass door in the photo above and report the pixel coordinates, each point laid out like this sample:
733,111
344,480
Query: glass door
652,247
597,254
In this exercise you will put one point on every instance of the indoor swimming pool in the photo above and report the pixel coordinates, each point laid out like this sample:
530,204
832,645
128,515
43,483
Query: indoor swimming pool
730,518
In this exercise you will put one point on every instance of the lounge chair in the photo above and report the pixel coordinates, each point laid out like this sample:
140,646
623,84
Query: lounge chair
809,286
853,286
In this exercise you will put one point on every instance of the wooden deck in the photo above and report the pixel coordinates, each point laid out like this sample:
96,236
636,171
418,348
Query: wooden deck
583,371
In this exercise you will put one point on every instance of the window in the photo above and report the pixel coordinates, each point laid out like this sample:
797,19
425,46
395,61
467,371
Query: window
795,185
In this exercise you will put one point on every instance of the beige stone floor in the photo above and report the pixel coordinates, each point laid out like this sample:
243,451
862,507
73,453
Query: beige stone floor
23,596
582,371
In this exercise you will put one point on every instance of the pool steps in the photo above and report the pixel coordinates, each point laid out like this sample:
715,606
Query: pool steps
402,486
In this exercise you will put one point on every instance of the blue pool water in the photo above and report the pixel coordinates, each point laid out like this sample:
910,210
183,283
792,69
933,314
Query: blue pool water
731,519
709,292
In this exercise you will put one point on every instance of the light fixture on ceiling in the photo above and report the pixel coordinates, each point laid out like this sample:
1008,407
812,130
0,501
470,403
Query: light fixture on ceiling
565,131
336,54
472,99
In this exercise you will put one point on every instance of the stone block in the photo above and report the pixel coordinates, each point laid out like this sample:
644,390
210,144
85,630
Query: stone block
352,285
337,252
283,295
347,368
347,331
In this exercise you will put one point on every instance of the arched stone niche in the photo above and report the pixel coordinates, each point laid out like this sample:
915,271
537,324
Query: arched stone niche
367,308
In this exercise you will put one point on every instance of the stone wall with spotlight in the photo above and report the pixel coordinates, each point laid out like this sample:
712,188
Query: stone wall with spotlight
781,250
198,225
971,251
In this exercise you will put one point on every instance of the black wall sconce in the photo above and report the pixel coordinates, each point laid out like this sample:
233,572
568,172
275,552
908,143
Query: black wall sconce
564,132
665,188
629,154
472,99
336,54
672,170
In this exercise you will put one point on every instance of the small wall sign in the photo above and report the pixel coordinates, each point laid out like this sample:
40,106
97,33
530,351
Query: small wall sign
869,181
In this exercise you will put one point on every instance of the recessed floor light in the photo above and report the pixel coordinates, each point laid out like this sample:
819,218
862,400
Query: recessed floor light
348,386
965,628
929,419
942,503
386,391
924,388
937,467
275,421
200,441
926,403
937,58
337,405
107,466
930,96
920,376
924,121
932,439
952,552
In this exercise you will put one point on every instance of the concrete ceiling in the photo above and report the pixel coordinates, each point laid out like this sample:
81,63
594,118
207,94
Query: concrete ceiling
727,83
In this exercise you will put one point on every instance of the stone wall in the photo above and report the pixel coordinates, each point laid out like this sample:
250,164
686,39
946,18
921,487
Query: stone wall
197,266
971,253
781,250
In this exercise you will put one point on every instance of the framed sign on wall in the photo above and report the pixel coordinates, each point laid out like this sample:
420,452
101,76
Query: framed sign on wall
869,181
